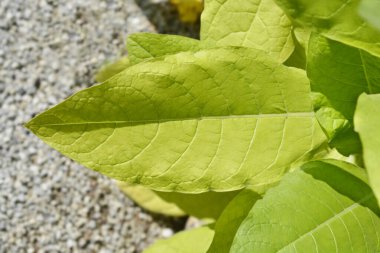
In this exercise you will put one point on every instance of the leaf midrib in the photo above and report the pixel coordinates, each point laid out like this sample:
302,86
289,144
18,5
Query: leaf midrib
258,116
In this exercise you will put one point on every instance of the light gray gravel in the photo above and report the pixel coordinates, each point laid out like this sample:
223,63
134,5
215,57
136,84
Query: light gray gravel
48,50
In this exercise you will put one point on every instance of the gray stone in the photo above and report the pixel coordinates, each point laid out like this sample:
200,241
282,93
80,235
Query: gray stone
49,50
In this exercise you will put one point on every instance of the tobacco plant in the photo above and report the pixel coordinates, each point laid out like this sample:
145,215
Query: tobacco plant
269,125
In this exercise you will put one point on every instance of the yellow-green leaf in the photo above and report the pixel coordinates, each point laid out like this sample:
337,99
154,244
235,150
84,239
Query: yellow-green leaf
218,119
336,19
258,24
207,205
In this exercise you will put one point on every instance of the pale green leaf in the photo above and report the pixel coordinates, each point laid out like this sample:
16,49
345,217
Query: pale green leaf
336,19
322,208
254,23
218,119
193,241
149,200
230,220
145,46
112,69
207,205
367,123
370,11
341,73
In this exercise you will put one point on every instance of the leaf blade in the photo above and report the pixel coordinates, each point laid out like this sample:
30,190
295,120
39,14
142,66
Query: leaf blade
161,119
259,24
335,19
231,218
327,219
341,73
145,46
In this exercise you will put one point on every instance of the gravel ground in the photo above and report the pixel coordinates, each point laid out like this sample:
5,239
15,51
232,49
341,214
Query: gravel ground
48,50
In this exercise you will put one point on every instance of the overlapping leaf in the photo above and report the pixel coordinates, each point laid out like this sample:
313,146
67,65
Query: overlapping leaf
207,205
326,207
367,123
342,73
254,23
218,119
339,130
149,200
145,46
336,19
230,220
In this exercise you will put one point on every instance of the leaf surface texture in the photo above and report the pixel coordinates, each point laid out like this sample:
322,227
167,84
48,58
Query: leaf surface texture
219,119
322,208
258,24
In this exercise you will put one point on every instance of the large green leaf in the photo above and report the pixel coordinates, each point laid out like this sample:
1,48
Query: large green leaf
145,46
336,19
326,207
193,241
370,11
219,119
207,205
341,73
254,23
230,220
367,123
